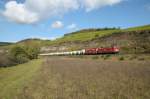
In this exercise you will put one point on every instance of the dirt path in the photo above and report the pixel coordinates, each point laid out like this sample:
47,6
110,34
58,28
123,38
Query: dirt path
68,78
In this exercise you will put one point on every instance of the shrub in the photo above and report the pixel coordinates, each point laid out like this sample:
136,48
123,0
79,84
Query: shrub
22,58
96,35
32,52
5,61
22,54
122,58
133,57
141,59
106,57
95,57
102,56
18,54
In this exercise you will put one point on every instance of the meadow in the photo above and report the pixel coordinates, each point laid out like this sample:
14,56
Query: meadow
13,79
73,78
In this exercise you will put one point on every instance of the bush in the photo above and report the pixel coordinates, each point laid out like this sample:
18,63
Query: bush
133,57
105,57
122,58
97,35
22,54
5,61
22,58
32,52
18,55
102,56
108,56
141,59
95,57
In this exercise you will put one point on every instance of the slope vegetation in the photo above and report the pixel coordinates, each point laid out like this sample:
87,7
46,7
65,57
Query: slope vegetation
13,79
139,28
90,34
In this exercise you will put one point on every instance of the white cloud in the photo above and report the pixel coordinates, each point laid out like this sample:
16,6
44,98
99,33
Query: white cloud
47,38
57,25
19,13
95,4
32,11
72,26
48,8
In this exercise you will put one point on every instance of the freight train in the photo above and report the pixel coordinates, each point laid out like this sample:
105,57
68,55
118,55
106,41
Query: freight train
90,51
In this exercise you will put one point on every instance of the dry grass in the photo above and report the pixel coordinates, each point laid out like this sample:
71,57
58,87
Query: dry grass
66,78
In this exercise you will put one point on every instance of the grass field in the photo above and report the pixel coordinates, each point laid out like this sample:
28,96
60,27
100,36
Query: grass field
70,78
13,79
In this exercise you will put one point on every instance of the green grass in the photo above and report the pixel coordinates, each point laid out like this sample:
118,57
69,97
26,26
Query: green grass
82,36
13,79
146,27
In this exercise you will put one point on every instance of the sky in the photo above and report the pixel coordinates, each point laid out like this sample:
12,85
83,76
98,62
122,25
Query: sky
51,19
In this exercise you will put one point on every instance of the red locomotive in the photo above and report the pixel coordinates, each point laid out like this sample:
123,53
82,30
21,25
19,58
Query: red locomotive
94,51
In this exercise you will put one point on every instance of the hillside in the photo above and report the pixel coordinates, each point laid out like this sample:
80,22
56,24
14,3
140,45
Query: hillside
30,42
5,43
139,28
131,40
90,34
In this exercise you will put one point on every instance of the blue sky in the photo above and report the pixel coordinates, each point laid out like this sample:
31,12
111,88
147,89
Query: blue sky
55,21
